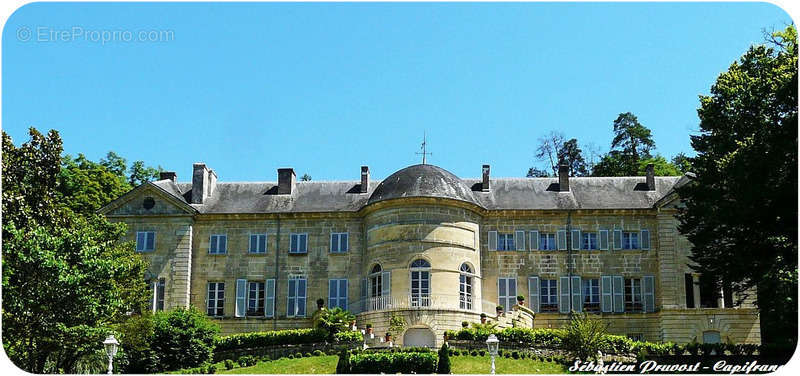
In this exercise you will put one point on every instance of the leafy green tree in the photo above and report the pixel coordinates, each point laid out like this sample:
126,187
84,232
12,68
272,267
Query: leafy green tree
611,164
86,186
682,162
140,174
661,167
114,163
66,278
333,320
534,172
570,154
741,210
632,138
305,177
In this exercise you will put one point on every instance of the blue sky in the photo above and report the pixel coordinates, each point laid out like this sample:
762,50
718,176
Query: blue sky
325,88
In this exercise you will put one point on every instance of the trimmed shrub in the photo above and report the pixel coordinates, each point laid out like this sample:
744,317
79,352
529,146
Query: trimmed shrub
482,352
211,369
473,353
247,361
349,336
443,365
290,356
308,355
270,338
393,362
182,338
229,364
317,353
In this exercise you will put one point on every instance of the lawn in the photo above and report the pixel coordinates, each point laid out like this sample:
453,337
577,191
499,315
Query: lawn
460,365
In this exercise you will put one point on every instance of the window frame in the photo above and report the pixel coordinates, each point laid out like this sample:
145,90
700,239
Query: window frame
507,241
293,301
257,250
590,241
260,298
551,306
546,243
465,287
219,237
337,239
219,303
591,300
633,299
628,240
144,248
294,242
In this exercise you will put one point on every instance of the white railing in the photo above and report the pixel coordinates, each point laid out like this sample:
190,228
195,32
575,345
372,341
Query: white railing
414,301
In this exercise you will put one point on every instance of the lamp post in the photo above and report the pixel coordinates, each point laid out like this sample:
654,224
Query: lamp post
493,344
111,350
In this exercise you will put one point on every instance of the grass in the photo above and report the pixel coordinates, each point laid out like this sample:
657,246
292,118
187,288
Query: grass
314,364
459,365
481,365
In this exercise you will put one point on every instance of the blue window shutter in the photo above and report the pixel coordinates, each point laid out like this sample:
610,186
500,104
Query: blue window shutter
617,239
618,287
212,244
577,297
269,300
648,293
603,239
223,246
563,290
562,240
606,294
645,239
301,297
386,283
533,293
533,242
140,241
241,297
151,240
291,298
519,240
492,240
343,294
576,240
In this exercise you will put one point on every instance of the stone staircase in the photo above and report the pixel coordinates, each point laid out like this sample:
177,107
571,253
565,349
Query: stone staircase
519,317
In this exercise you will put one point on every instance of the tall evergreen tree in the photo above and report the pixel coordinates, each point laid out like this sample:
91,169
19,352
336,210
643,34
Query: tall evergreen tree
741,210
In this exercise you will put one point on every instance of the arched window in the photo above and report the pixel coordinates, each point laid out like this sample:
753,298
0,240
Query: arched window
375,282
420,283
465,287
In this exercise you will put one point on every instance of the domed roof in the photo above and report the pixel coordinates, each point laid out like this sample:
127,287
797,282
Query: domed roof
423,180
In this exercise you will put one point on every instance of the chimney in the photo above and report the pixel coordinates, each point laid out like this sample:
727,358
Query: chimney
168,175
563,178
364,179
485,184
286,181
203,183
651,177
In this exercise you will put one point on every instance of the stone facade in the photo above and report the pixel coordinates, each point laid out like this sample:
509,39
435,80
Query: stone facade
406,253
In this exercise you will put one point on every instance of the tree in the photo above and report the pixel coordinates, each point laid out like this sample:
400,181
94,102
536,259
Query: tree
182,338
305,177
443,365
534,172
682,162
741,209
548,148
140,174
86,186
661,167
66,278
570,154
632,138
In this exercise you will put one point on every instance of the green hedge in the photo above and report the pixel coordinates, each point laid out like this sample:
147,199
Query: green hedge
270,338
393,362
349,336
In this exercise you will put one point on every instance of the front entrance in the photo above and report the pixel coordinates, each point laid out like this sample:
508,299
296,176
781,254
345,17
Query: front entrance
419,337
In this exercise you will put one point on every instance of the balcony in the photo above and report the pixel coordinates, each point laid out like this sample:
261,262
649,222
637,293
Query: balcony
437,301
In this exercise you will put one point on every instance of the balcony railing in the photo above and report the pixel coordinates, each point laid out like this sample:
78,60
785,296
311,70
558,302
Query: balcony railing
436,301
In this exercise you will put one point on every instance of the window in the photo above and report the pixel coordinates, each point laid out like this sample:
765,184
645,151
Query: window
145,241
156,291
688,282
296,298
711,336
507,292
505,242
255,298
339,242
298,243
420,283
465,287
258,243
547,242
337,293
218,245
216,298
633,295
375,282
589,240
709,292
549,295
630,240
379,288
591,295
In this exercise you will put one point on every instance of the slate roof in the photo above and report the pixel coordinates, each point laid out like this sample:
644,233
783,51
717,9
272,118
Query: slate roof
431,181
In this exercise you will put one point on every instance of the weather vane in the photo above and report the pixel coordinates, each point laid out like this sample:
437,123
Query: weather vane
424,148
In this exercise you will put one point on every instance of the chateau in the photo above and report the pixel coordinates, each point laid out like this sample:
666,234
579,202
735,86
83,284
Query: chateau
432,248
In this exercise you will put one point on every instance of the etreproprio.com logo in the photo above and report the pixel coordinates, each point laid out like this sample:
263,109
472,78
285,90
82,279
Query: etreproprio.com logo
81,34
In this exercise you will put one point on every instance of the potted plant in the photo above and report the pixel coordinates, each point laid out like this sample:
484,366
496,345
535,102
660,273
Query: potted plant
499,310
369,328
320,303
388,337
353,324
464,324
520,300
483,318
